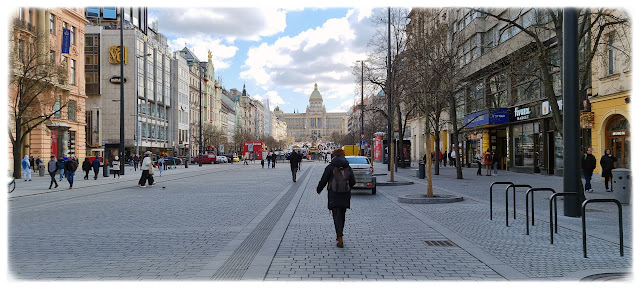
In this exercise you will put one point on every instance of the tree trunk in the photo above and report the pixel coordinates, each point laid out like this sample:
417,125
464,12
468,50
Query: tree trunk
436,152
454,140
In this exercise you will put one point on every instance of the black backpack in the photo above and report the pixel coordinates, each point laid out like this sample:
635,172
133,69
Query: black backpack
340,180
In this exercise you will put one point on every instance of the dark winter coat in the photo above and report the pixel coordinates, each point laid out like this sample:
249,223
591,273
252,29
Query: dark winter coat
588,163
86,165
70,166
96,164
294,160
61,164
336,200
607,163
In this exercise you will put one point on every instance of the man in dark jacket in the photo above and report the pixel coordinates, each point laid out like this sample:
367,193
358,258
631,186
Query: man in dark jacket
608,163
52,168
294,160
96,168
588,164
86,167
70,170
338,203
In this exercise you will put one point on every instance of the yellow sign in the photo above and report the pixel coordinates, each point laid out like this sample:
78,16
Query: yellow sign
114,54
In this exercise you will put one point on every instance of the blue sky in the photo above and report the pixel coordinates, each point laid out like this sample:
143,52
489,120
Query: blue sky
279,53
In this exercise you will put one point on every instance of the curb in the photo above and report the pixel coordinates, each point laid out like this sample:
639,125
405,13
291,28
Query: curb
423,199
395,183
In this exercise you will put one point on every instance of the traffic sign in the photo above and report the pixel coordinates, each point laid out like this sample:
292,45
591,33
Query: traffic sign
362,136
362,143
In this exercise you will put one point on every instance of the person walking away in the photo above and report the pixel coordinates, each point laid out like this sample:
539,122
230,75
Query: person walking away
268,161
26,168
52,168
96,168
496,159
147,170
262,163
273,160
135,162
488,161
116,168
70,171
160,165
31,163
61,167
478,159
86,167
607,162
440,156
339,179
294,162
453,157
588,165
38,163
444,160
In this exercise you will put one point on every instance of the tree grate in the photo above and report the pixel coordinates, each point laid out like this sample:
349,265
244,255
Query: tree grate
440,243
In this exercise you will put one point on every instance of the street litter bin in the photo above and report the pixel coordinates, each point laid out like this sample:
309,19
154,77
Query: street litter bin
41,170
622,185
421,169
105,170
186,162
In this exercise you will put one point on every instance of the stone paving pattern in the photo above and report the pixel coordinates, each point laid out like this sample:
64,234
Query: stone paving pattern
112,230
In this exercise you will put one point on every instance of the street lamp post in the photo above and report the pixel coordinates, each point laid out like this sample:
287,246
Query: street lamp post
121,152
362,103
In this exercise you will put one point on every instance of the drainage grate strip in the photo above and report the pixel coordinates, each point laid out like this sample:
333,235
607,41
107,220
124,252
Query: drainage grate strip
239,261
440,243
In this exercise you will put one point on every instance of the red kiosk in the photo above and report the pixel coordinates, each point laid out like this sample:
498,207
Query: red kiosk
254,150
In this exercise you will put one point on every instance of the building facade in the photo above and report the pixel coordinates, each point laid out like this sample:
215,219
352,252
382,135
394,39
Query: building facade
147,84
64,133
316,123
180,135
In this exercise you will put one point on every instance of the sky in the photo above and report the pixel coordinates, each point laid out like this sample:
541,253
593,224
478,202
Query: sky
279,54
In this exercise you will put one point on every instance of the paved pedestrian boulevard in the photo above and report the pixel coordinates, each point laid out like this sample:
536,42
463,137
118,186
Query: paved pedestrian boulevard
231,222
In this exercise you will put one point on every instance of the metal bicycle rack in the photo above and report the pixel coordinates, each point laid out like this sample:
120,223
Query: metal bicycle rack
553,200
530,191
506,202
491,196
584,227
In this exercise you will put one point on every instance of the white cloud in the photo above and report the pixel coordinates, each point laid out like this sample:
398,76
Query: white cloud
343,107
274,99
324,55
229,23
222,54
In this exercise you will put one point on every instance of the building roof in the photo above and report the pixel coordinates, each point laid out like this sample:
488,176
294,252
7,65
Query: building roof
315,94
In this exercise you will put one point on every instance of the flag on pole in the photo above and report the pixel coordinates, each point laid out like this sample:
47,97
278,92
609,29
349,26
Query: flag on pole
66,41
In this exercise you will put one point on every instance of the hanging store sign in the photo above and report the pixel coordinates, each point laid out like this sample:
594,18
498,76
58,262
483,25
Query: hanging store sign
116,80
587,119
521,113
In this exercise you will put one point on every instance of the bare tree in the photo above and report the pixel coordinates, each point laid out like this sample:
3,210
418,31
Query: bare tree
37,87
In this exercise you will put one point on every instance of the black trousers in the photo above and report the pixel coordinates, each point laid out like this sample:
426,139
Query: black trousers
479,169
95,174
339,215
294,171
146,177
53,179
608,177
86,174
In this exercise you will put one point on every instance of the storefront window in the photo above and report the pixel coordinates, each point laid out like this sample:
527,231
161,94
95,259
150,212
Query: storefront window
524,151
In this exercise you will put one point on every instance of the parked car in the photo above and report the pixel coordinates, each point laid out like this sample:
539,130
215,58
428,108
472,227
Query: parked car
363,172
206,159
222,159
169,160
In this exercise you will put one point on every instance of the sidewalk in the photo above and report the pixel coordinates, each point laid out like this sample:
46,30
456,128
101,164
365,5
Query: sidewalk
40,184
531,255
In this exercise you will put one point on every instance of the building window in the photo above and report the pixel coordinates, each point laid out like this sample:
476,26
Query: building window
20,14
498,97
611,53
21,50
52,24
71,110
72,35
56,109
72,72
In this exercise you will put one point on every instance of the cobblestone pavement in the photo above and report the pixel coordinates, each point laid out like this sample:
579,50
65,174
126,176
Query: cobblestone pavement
238,222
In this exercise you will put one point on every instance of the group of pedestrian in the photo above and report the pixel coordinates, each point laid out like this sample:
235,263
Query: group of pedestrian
271,160
65,166
607,163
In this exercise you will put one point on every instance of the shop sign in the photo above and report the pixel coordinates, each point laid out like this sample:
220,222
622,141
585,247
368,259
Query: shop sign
492,116
587,119
546,108
116,80
499,116
618,133
521,113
